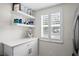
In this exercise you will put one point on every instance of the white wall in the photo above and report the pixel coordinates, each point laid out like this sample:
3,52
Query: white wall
47,48
7,30
4,16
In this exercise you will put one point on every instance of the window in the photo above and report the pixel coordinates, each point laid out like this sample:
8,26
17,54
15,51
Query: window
44,26
52,26
55,25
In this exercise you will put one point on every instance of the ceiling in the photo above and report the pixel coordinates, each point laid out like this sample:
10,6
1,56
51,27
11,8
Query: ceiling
37,6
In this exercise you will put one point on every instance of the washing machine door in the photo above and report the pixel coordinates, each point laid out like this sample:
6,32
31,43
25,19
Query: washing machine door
76,35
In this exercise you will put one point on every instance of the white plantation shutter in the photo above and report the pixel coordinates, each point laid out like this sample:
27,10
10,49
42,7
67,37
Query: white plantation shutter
52,26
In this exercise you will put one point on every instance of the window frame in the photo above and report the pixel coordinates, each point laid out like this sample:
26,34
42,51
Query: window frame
61,40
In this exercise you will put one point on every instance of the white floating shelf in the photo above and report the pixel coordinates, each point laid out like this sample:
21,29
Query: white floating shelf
24,25
24,14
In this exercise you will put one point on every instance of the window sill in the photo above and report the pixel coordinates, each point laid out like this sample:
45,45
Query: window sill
51,41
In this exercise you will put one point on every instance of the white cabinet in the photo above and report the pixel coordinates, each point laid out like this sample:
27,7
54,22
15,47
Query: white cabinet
24,49
1,49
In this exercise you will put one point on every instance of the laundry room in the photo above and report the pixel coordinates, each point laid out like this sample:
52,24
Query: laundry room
39,29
